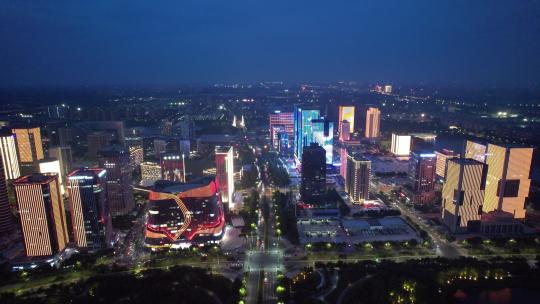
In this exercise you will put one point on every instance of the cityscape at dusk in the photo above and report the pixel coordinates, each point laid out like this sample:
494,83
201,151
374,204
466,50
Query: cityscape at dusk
270,152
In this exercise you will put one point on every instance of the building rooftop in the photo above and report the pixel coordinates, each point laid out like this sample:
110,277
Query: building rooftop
36,178
86,172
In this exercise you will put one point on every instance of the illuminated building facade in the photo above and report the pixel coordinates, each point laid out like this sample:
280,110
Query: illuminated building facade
184,214
119,175
302,129
29,148
358,177
343,154
313,175
7,224
8,152
463,194
346,113
476,151
322,132
442,159
151,172
172,167
373,121
90,214
422,173
52,165
388,89
344,130
401,145
225,172
63,154
286,121
42,213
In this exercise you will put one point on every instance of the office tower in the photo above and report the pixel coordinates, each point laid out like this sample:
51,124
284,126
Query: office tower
181,215
172,167
346,113
323,134
63,154
90,214
463,194
97,141
286,121
313,180
476,151
442,158
151,172
508,179
343,153
225,173
401,145
358,178
7,224
116,161
388,89
8,152
422,173
29,147
373,121
43,218
52,165
302,128
344,133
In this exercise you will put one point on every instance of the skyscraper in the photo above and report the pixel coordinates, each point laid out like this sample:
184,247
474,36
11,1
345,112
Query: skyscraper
463,194
64,156
344,130
225,173
6,217
401,145
8,152
358,178
422,173
43,218
373,121
476,151
302,128
283,119
313,180
343,153
52,165
442,158
116,161
90,214
29,148
323,134
508,179
346,113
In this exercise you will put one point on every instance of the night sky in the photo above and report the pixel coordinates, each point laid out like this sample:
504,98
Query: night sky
134,42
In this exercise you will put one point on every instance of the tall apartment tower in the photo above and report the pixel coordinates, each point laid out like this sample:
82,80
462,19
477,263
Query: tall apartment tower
8,152
116,161
373,122
313,179
29,148
7,223
346,113
90,214
422,173
43,218
358,178
225,173
463,194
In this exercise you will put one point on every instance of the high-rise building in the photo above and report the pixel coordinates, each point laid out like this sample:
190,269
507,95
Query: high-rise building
63,154
344,133
52,165
302,128
343,153
346,113
286,121
463,194
313,175
43,218
29,148
116,161
358,178
422,173
151,172
90,214
225,173
323,134
7,224
476,151
401,145
373,122
8,152
442,158
97,141
172,167
508,179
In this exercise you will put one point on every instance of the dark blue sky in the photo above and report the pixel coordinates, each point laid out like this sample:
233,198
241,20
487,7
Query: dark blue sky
170,42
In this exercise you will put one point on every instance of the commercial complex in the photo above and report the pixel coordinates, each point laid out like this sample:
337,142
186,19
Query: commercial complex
119,174
401,145
225,173
313,179
90,214
8,152
373,122
150,172
42,213
358,178
442,159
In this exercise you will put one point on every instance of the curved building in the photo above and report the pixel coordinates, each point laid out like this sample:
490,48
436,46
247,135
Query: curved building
184,214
